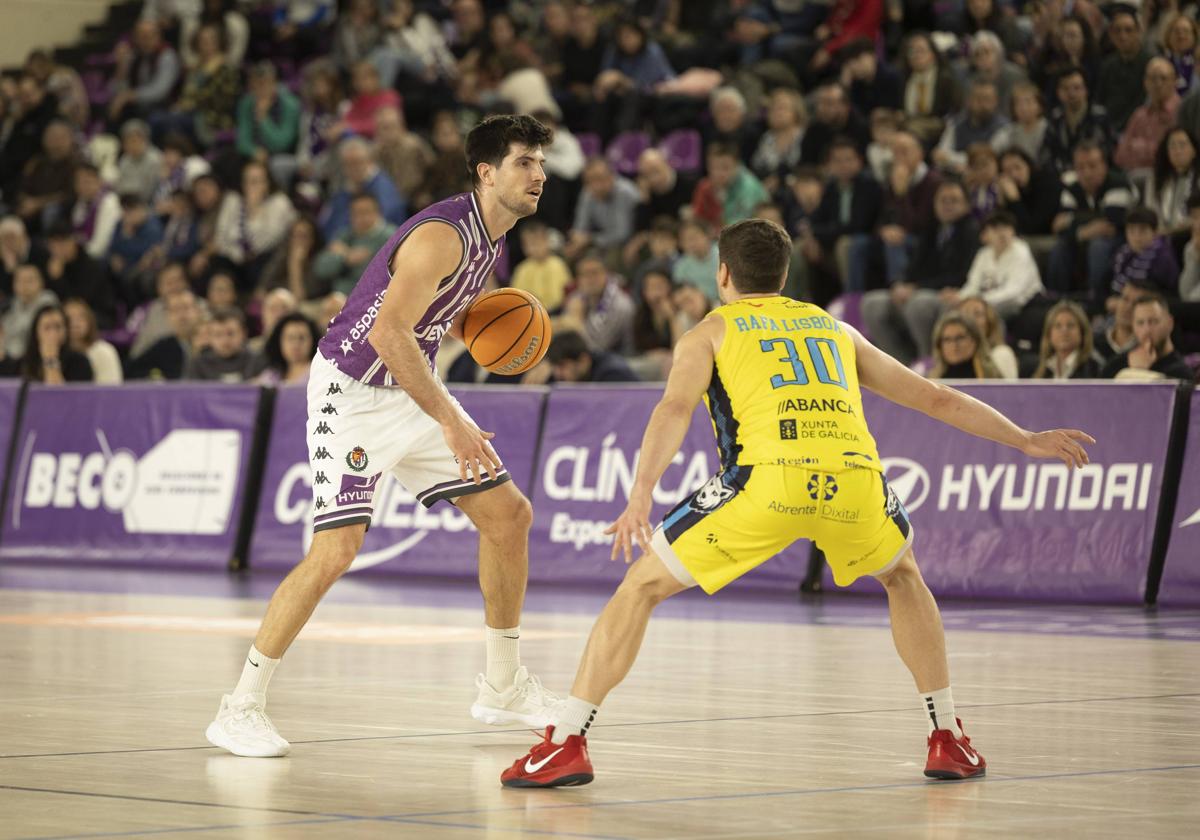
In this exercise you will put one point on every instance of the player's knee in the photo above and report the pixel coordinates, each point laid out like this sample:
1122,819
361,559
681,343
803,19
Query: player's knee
903,574
507,516
333,551
646,590
521,513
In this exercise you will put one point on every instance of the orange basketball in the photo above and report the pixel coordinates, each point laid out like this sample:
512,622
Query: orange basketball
507,331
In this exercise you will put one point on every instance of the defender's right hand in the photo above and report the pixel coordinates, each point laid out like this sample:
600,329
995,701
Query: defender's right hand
471,449
632,526
1063,444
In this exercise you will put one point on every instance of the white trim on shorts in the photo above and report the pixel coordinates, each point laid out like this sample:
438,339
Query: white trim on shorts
908,543
665,553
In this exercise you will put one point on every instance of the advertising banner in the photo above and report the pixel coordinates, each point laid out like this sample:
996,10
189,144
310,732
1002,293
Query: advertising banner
1181,573
141,473
590,444
990,522
404,536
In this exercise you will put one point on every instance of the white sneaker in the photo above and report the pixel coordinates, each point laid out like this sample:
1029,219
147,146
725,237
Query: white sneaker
243,728
526,701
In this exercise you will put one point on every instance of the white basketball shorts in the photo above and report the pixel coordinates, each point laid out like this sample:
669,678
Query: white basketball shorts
357,431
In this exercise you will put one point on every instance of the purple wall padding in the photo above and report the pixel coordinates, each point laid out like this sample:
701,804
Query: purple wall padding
141,473
589,450
992,523
1181,574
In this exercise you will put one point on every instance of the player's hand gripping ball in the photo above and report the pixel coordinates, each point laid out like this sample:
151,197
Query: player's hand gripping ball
507,331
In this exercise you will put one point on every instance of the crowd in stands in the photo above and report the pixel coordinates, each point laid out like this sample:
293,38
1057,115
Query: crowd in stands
988,188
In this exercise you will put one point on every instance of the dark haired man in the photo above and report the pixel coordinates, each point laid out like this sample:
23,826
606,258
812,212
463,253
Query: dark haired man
900,318
375,404
572,361
840,231
1093,205
227,358
1119,81
1153,355
782,381
1075,120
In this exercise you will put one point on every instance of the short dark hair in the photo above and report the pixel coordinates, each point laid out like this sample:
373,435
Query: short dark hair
567,345
179,142
1142,216
230,314
365,196
953,183
855,48
87,166
1150,296
1068,73
489,141
670,227
589,255
1089,145
807,173
841,142
757,253
1000,218
132,200
722,149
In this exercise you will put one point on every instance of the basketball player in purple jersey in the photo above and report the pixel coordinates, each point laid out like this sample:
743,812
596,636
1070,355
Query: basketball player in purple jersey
375,404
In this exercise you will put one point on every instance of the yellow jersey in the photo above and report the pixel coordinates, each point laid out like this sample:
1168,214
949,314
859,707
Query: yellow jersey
785,389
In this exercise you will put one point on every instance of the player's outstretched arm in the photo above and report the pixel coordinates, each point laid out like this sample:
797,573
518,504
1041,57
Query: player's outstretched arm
691,371
885,376
431,252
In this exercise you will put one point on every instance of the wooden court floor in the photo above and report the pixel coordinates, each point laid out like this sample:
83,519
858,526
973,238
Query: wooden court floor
731,726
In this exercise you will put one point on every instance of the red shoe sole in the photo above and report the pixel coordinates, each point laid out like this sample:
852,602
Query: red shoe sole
956,774
571,780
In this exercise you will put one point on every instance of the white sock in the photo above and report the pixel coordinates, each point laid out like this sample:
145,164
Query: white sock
503,656
256,673
939,705
573,718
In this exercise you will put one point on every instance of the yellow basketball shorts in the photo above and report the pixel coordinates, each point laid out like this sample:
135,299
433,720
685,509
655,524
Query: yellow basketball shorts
745,515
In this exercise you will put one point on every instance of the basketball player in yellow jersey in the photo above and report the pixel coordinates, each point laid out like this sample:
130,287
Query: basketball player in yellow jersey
781,379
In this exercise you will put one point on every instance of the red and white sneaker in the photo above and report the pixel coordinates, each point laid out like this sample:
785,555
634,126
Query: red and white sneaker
551,765
953,758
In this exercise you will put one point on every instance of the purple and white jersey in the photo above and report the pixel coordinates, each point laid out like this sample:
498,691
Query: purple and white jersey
345,344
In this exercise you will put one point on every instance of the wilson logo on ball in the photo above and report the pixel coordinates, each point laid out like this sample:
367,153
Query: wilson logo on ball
507,331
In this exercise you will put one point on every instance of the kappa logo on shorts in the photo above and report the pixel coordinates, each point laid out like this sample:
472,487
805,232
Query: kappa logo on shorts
711,496
320,478
320,503
334,388
329,409
356,459
322,429
322,454
822,487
